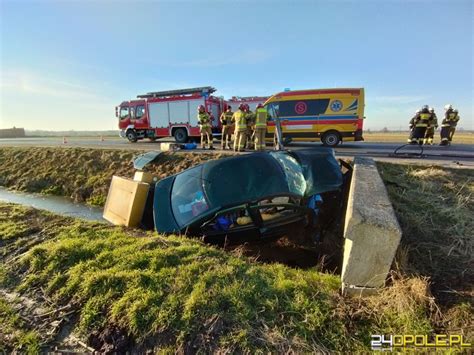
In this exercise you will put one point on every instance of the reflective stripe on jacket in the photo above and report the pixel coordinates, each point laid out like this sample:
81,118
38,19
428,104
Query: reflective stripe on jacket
226,118
204,120
240,122
261,118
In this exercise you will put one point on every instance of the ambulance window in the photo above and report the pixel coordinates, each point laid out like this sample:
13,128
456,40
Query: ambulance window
140,111
123,112
303,107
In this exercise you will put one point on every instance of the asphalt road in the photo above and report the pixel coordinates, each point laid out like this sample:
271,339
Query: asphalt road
456,153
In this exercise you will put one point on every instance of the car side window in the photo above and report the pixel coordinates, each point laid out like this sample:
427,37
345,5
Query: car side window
229,221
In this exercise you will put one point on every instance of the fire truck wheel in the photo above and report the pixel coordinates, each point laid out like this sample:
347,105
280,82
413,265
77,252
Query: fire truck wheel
180,135
331,138
131,136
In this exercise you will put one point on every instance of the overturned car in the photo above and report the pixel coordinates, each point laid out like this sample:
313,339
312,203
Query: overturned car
255,197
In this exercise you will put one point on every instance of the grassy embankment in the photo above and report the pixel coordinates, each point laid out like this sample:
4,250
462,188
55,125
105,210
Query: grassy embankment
82,174
401,137
176,293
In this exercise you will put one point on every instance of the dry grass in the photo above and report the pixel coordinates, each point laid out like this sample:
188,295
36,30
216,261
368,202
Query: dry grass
401,137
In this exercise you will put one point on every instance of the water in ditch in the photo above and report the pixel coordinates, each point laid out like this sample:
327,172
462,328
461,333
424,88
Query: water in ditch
56,204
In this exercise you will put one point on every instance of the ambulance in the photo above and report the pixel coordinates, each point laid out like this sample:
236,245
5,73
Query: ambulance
331,116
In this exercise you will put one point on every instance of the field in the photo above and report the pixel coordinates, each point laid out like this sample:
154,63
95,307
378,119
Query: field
401,137
120,289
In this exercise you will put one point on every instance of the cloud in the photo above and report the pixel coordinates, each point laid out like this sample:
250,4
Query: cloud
250,56
25,82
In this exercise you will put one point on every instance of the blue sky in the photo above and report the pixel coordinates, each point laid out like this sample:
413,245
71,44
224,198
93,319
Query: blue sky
66,64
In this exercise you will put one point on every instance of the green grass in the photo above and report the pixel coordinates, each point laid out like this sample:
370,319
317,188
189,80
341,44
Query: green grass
189,295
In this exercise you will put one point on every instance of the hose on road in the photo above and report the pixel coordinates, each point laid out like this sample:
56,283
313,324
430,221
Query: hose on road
396,153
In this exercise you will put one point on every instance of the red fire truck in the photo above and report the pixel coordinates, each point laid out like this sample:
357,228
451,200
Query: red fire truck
168,113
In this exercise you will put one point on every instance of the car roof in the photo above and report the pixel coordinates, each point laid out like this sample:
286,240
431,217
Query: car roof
236,180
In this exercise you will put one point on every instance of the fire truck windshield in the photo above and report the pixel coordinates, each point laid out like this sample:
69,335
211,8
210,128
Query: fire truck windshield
124,112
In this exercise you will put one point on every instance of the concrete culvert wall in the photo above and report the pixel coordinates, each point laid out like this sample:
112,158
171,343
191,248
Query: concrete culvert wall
371,232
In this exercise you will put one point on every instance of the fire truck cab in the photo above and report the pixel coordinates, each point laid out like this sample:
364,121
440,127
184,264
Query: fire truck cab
168,113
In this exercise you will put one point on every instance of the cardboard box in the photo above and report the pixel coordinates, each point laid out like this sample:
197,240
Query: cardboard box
164,147
143,176
126,201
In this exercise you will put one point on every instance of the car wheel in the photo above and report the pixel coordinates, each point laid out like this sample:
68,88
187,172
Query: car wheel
331,139
131,136
180,135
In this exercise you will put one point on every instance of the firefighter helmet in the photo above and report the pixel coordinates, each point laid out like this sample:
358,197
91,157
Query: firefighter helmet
448,107
259,106
455,110
417,111
242,107
201,108
431,109
424,107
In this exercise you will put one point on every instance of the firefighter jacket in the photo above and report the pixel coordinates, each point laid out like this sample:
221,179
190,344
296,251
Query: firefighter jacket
239,118
227,118
204,120
250,118
261,118
413,120
450,119
424,119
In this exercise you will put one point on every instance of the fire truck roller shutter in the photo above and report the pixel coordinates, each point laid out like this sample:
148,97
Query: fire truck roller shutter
179,112
159,114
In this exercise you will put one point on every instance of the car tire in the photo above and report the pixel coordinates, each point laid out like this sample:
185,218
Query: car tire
331,138
180,135
131,136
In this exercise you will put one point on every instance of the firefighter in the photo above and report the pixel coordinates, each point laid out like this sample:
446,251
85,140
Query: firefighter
260,127
250,119
204,121
412,126
448,125
421,122
429,135
240,135
227,122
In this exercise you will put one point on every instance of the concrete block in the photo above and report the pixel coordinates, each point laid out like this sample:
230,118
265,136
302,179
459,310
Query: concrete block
143,176
164,147
125,201
371,230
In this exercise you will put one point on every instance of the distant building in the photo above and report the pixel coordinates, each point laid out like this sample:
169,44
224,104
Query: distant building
12,133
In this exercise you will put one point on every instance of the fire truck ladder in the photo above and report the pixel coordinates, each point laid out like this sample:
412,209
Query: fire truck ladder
204,90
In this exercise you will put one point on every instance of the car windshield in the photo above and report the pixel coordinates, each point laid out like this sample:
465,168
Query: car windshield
293,172
187,197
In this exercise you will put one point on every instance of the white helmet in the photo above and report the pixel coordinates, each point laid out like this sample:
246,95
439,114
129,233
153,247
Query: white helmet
455,110
417,111
431,109
448,107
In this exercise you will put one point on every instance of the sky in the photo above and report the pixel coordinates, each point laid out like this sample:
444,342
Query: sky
65,65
